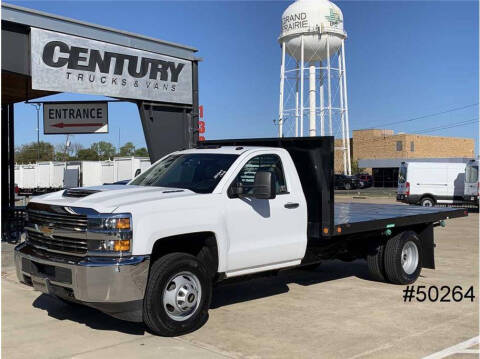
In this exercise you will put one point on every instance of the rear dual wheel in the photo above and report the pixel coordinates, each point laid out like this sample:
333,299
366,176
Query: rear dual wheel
398,261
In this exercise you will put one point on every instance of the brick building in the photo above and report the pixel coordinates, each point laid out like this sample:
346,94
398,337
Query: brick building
380,152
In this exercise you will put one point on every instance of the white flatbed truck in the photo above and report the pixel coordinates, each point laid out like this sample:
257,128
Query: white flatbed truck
150,251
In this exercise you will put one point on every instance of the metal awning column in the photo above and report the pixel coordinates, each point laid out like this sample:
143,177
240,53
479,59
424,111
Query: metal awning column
7,164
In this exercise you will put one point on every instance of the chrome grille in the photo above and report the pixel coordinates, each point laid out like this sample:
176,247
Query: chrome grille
63,221
58,244
56,230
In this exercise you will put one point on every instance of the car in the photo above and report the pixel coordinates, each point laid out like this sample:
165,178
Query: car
346,182
365,179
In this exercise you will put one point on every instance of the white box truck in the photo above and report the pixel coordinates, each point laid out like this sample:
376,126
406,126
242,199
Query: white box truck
90,173
25,178
429,183
107,172
472,184
50,175
125,168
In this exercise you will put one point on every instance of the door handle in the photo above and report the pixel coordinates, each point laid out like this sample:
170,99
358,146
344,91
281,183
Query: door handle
291,205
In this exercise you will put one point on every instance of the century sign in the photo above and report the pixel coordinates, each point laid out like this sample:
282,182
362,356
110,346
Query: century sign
66,63
75,117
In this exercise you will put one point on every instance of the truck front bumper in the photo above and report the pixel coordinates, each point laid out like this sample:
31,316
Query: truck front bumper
115,286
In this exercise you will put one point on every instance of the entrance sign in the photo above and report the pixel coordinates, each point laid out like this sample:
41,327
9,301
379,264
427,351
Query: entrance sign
65,63
75,117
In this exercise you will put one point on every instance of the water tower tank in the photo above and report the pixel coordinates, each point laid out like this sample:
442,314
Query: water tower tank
313,19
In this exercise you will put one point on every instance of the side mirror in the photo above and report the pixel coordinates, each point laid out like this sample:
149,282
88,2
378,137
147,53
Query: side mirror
137,172
264,185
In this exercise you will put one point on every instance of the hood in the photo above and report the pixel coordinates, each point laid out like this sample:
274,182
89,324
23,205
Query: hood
107,198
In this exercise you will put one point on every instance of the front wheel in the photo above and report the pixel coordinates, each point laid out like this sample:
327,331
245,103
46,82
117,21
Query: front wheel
178,295
403,258
347,186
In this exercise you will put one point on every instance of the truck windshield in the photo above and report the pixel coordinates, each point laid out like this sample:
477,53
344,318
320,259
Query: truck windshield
471,174
199,172
402,174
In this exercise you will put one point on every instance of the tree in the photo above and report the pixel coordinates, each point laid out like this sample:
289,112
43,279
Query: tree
355,168
87,154
28,153
104,150
141,152
74,148
127,149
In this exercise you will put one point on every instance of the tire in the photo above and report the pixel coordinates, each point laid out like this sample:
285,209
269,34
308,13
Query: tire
347,186
162,306
408,246
427,202
376,263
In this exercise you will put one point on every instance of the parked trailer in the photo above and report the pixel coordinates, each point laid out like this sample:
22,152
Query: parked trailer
126,168
50,175
39,177
26,178
107,172
89,173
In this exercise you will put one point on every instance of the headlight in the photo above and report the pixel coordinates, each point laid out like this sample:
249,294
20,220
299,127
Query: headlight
109,234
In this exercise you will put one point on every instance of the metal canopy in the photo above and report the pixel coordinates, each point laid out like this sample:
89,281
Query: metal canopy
43,20
169,123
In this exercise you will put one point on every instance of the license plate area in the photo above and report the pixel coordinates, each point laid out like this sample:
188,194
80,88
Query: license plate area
42,284
43,273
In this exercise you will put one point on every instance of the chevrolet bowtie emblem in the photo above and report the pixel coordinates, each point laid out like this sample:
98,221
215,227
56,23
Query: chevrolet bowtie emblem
45,230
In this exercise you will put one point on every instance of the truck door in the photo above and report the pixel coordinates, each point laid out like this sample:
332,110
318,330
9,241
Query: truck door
265,232
471,181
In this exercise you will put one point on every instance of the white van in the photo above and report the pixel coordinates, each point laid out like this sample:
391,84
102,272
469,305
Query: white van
471,183
429,183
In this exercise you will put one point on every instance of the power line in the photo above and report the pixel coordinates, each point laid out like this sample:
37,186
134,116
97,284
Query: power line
428,115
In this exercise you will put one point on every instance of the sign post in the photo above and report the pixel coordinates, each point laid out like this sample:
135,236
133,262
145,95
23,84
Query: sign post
75,117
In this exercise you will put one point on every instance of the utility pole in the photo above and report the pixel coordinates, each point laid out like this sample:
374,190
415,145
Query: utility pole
37,107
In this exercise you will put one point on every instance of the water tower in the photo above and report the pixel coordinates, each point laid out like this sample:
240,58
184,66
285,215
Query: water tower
313,53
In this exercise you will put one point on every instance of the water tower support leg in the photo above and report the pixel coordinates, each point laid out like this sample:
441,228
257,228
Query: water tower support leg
282,85
301,85
342,113
329,89
322,105
312,102
347,125
296,103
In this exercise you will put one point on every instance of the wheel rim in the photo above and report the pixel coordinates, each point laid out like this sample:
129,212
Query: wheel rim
409,258
182,295
427,203
347,186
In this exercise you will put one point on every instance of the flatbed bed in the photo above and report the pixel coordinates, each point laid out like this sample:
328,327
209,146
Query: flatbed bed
362,217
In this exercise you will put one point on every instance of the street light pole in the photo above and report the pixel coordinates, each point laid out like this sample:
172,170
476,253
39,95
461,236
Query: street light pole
37,107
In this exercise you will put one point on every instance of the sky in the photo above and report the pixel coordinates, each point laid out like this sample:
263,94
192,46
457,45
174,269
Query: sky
405,59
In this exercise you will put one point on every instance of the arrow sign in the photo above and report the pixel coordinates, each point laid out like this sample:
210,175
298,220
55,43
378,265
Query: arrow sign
62,125
75,117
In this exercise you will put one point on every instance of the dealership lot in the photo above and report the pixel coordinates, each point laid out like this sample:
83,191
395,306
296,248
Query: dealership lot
332,311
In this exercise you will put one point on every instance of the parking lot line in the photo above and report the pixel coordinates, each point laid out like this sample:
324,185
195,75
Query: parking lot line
456,349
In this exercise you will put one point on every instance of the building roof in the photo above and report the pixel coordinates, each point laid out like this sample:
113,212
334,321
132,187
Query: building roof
395,162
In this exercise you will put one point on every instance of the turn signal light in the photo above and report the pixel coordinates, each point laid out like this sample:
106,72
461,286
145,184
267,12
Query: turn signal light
123,223
121,245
